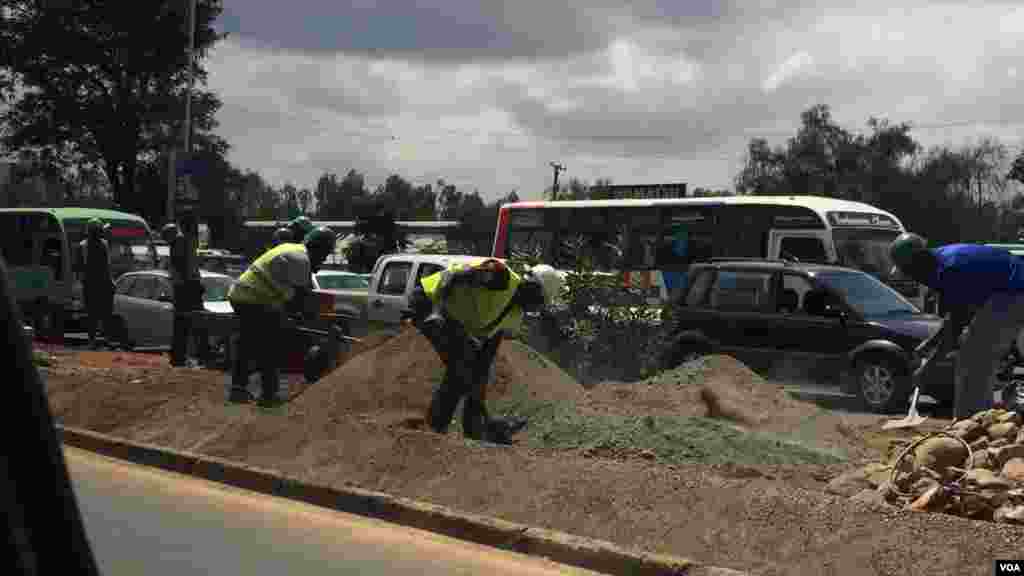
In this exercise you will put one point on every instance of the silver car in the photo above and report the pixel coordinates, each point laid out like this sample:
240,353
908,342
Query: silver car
348,288
143,309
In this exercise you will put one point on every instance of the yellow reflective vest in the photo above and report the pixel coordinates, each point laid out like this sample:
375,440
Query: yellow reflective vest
257,285
475,307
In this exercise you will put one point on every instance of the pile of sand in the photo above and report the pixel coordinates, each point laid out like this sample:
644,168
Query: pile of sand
399,375
715,386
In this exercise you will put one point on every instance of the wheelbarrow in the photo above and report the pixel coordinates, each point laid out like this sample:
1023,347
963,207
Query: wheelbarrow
312,352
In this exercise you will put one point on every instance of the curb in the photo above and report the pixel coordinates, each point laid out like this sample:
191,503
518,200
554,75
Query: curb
587,553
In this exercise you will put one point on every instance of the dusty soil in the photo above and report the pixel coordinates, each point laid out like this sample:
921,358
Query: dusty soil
357,427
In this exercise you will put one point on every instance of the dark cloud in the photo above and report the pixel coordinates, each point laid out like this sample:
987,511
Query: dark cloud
448,30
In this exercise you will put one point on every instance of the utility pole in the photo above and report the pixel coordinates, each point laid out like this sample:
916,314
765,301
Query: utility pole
192,227
554,187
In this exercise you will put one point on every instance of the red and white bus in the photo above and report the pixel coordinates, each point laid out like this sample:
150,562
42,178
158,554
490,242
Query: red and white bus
635,237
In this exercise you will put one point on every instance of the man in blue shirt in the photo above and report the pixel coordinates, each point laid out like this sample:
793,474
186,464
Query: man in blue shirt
971,279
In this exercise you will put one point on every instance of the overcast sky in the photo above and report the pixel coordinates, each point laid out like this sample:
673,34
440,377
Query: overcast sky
486,93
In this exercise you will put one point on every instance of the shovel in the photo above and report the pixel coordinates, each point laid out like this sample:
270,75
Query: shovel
912,419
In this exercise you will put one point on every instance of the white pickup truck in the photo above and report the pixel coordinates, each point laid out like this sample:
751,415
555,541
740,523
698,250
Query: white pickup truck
392,281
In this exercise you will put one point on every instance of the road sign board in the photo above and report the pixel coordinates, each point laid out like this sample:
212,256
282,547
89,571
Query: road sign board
190,166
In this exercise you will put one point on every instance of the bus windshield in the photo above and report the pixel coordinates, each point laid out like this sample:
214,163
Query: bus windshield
865,249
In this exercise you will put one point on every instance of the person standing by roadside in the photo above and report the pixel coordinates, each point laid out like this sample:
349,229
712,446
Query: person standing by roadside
97,284
187,297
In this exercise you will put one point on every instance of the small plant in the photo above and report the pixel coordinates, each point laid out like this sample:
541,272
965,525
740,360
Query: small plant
601,329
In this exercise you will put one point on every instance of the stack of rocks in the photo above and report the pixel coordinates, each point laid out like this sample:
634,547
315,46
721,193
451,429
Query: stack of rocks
974,468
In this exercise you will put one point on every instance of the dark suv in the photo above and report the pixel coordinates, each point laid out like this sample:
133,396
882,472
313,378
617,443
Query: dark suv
828,322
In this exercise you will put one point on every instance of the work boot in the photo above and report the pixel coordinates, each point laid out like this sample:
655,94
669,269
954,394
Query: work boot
240,396
270,402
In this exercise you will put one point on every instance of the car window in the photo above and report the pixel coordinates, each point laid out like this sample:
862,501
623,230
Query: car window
163,288
804,249
742,291
866,294
426,269
341,282
124,285
144,287
697,294
215,289
791,298
394,278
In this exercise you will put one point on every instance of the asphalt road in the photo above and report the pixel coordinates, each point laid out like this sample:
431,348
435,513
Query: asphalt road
147,521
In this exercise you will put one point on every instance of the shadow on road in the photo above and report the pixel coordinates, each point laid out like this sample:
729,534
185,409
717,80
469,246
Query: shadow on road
837,401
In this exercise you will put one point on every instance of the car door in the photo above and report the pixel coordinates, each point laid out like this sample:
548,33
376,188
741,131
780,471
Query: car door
126,306
138,316
388,292
810,345
146,291
741,313
163,312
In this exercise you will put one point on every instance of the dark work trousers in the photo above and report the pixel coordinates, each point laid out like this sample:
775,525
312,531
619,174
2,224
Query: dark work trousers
261,345
99,308
188,298
465,377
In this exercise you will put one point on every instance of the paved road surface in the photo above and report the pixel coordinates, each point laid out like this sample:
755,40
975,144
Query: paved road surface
146,521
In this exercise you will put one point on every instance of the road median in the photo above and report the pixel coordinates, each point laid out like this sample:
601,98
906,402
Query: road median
588,553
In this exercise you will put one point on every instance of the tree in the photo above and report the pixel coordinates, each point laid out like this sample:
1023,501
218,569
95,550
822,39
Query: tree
944,194
304,198
1017,169
111,91
449,201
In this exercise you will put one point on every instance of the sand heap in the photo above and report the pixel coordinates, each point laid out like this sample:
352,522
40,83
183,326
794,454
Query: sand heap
713,386
399,375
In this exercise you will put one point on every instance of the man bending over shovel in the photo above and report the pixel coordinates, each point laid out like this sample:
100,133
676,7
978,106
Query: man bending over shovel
968,277
464,312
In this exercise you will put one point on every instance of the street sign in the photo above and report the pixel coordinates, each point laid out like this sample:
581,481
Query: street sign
190,167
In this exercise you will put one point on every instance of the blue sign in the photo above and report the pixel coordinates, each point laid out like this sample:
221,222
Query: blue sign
190,167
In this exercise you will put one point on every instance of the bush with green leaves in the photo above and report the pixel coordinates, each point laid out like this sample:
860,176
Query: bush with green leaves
601,330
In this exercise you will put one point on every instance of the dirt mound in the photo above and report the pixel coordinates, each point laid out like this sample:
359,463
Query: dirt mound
399,375
722,387
714,386
108,359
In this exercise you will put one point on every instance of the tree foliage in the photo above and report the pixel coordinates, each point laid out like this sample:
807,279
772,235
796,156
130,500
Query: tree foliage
943,193
101,84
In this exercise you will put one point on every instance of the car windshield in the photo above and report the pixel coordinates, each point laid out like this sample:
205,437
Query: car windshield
866,250
866,294
342,282
216,289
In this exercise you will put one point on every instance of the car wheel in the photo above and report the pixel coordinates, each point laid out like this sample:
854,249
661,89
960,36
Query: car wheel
683,352
882,384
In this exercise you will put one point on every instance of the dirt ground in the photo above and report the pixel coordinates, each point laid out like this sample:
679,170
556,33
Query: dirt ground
357,426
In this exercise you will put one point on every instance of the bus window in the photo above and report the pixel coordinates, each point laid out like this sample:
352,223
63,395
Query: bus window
803,248
523,242
53,256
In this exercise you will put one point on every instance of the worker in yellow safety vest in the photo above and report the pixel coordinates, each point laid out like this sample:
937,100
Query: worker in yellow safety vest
465,311
276,284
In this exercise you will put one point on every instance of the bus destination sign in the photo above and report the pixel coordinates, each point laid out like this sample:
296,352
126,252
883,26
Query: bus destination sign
861,219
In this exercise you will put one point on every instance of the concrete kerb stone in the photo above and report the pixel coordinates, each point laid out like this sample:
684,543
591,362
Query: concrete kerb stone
568,549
